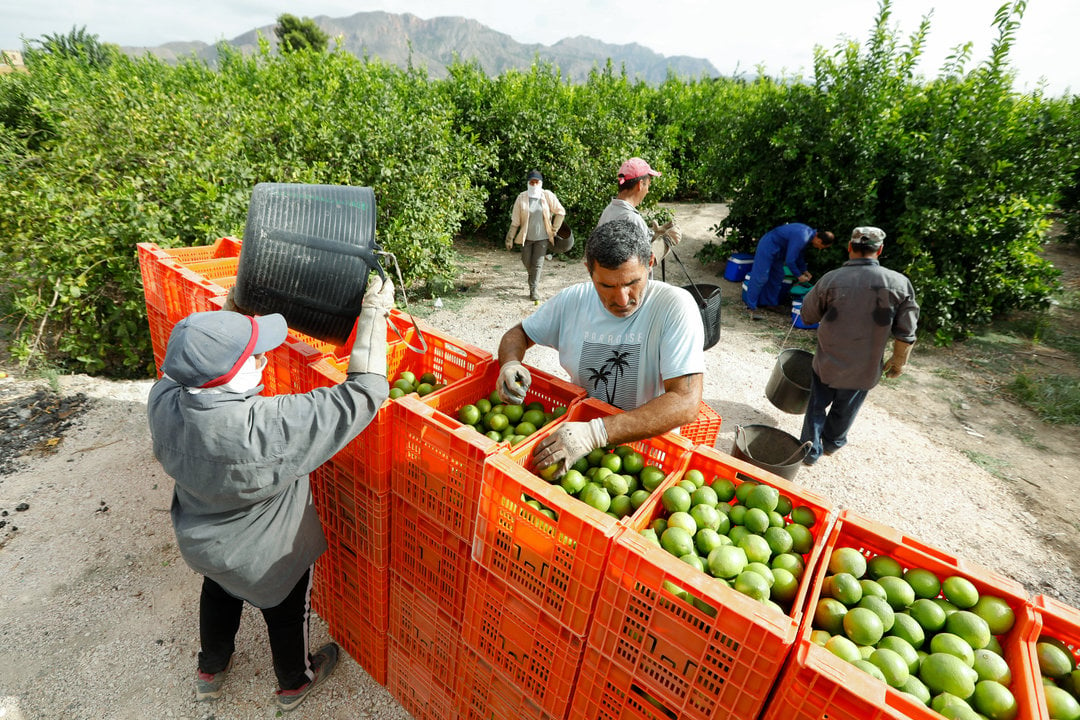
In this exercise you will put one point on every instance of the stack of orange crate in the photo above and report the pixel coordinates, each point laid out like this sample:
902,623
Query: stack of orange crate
359,477
652,654
816,684
435,484
535,578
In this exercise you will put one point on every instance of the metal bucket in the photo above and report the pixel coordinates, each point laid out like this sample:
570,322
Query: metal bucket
770,448
789,384
708,299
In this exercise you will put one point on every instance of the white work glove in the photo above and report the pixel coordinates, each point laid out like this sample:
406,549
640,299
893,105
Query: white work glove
570,442
671,233
369,349
900,352
514,381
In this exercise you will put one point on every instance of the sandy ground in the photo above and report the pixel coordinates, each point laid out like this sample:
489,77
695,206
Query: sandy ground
98,612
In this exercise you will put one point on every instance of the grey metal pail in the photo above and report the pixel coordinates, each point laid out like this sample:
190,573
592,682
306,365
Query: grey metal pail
789,384
770,448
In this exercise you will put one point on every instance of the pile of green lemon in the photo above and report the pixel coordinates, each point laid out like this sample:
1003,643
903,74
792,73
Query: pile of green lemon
748,536
936,640
1060,678
615,480
504,422
407,382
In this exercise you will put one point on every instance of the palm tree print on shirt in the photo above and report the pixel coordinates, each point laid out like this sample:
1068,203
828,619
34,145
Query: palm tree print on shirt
611,371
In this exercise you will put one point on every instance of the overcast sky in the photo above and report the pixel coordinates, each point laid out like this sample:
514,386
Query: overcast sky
734,35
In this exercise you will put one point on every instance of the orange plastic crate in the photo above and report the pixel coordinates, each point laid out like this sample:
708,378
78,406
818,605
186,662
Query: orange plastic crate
434,559
1058,620
538,653
423,693
816,684
426,634
485,693
704,430
298,367
351,594
697,663
606,691
356,514
556,563
152,269
160,328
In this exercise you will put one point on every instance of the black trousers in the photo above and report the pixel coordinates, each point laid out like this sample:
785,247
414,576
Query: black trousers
286,625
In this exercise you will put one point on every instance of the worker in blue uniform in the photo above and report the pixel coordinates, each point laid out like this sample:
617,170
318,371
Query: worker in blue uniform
784,245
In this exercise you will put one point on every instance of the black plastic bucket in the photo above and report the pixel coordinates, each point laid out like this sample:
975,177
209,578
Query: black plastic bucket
770,448
306,254
789,384
708,299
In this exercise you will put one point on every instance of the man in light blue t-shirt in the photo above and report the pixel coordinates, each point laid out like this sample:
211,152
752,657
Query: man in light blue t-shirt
633,342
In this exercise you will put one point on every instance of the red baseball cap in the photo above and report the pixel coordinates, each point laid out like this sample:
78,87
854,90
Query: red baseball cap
635,168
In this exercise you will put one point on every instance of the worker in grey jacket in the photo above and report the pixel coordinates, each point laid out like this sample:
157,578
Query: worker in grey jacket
242,508
859,306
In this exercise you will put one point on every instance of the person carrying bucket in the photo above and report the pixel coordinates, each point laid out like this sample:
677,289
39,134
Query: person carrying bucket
859,306
535,220
785,245
634,179
242,510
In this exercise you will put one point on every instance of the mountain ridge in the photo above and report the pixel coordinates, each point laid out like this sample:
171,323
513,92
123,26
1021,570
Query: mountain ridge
403,38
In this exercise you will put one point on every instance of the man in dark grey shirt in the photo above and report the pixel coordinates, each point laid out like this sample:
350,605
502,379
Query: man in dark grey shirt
859,306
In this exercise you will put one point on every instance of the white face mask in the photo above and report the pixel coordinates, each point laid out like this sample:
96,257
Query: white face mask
536,189
246,378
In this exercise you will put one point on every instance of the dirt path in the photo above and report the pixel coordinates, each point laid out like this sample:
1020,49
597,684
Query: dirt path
98,612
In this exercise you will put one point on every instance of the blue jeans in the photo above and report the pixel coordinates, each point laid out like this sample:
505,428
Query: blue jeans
827,427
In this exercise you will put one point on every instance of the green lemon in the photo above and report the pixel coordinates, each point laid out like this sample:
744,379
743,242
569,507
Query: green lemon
677,541
727,561
960,591
829,615
849,560
862,626
923,582
724,489
676,499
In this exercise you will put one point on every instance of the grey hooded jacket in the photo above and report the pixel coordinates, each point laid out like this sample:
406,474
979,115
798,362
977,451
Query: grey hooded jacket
242,506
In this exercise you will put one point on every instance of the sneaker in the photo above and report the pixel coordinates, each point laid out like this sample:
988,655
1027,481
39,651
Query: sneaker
209,686
808,460
322,664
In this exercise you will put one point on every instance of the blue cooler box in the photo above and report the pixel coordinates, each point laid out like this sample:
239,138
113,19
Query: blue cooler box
738,267
796,316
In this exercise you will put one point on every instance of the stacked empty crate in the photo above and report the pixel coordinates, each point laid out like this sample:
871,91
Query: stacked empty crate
436,484
352,490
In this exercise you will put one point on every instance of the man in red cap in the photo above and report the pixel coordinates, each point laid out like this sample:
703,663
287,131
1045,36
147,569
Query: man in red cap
635,177
242,508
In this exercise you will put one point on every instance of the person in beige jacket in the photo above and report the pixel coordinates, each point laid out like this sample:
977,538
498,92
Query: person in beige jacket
534,224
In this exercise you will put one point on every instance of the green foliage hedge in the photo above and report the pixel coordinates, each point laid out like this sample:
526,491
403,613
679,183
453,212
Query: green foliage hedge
962,172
